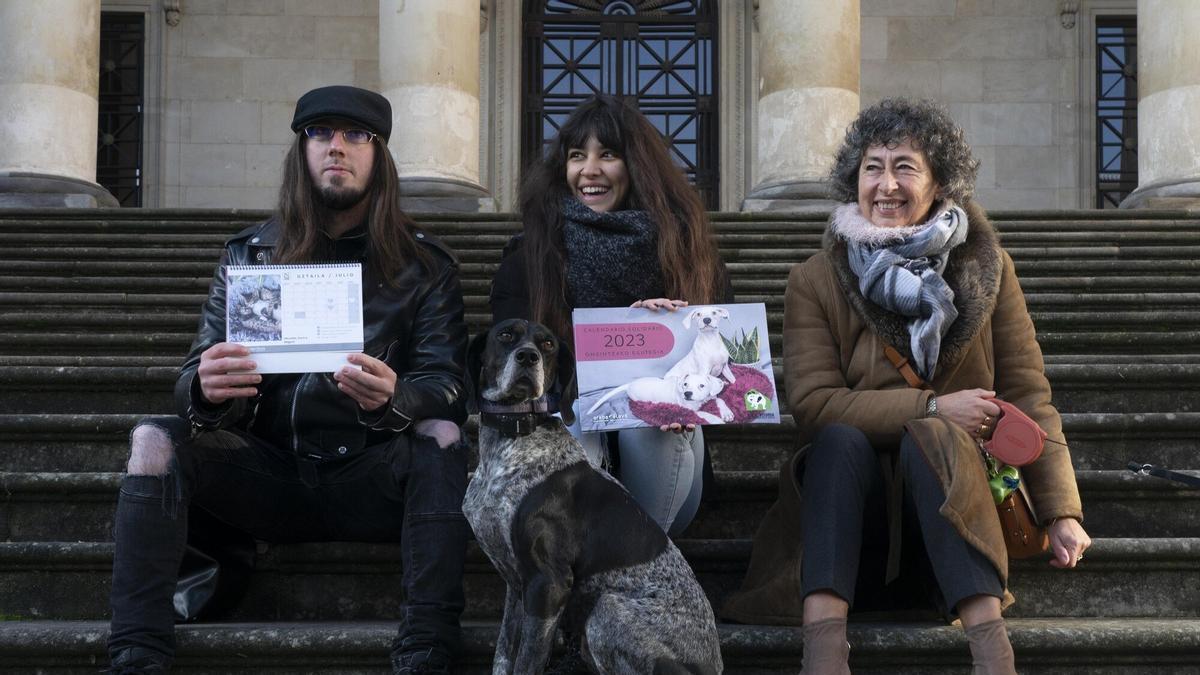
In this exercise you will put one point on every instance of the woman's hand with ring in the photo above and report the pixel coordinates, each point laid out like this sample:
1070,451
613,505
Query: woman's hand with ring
1068,541
661,303
971,409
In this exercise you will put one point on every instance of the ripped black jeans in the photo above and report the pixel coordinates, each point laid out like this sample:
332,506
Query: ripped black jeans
408,490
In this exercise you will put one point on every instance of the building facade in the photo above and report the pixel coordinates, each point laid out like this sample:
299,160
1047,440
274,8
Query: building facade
186,103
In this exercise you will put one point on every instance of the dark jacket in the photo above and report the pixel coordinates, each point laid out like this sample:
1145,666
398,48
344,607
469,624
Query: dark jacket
415,325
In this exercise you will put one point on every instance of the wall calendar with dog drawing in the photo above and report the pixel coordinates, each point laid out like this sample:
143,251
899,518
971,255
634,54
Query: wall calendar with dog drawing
708,364
295,318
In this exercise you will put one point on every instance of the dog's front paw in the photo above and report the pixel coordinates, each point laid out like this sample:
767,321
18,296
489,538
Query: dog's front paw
726,413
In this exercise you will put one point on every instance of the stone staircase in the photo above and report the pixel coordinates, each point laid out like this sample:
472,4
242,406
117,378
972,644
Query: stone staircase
98,307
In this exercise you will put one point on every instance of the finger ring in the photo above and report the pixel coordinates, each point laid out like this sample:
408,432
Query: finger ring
1079,557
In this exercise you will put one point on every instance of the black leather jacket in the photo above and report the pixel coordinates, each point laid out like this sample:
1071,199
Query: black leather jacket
415,326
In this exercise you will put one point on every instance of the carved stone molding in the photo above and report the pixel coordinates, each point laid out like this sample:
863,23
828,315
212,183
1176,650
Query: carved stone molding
1067,11
754,6
173,11
483,16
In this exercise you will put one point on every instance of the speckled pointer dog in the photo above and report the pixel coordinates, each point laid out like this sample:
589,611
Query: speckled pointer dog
570,542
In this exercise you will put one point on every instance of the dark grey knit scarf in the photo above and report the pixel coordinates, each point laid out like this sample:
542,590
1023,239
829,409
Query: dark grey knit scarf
612,258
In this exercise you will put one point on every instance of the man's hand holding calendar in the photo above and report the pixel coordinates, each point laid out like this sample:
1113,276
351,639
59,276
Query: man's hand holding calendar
371,387
224,373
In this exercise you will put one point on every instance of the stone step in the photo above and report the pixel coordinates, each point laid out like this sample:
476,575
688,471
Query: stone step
76,385
1115,504
479,287
99,442
1096,303
120,361
89,317
79,506
474,244
785,251
95,337
1145,578
775,271
91,342
206,215
1058,646
467,236
1098,441
217,223
147,360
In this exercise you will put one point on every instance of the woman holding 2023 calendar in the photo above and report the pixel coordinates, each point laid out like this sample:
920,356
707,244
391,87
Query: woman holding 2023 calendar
610,221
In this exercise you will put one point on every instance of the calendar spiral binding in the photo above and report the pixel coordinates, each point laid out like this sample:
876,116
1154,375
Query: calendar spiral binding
280,268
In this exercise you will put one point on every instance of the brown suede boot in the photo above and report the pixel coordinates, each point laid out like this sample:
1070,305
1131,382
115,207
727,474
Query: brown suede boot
991,653
826,651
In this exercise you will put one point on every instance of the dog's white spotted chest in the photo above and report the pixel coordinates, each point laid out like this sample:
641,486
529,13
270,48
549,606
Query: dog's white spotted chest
508,469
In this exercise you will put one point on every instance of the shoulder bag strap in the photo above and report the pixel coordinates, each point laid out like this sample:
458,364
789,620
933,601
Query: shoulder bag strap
902,365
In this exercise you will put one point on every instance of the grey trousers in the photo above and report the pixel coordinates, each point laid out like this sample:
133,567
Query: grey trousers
663,470
845,525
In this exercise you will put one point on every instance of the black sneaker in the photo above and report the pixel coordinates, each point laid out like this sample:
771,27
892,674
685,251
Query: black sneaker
421,662
138,661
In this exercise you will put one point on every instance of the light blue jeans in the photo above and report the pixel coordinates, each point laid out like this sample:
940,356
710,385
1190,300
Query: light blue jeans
664,471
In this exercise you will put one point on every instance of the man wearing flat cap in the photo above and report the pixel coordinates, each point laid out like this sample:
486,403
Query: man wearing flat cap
371,452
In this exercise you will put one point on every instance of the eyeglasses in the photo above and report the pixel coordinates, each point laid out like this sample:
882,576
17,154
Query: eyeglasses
352,136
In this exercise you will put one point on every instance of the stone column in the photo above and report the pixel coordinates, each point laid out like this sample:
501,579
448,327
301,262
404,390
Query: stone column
1168,105
49,110
429,70
808,62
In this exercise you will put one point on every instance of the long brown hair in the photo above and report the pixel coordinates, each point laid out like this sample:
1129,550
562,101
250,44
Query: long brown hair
391,243
687,253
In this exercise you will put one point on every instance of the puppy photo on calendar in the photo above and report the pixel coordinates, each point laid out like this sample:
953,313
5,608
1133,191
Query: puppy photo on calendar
708,354
689,391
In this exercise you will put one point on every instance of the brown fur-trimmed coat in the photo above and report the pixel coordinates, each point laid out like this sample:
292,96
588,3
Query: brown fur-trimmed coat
836,371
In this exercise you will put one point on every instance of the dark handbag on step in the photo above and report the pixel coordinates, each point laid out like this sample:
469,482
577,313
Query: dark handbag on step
1022,442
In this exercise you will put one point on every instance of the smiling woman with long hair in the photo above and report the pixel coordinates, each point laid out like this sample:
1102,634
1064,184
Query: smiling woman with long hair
609,221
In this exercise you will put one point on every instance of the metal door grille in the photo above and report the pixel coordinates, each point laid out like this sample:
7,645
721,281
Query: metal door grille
662,53
122,63
1116,110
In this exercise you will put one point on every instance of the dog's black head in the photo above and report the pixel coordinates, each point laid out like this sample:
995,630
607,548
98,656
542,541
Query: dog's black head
518,361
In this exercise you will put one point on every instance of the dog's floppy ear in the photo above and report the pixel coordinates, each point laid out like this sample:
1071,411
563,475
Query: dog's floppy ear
723,313
687,320
717,383
568,391
475,370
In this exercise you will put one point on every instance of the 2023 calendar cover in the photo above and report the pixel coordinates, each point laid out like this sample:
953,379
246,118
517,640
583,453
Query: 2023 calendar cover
706,364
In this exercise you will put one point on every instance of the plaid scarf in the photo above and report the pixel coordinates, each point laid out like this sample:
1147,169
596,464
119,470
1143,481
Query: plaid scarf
900,269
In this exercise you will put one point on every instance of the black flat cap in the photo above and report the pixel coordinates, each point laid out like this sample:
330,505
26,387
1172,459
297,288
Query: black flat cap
357,105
